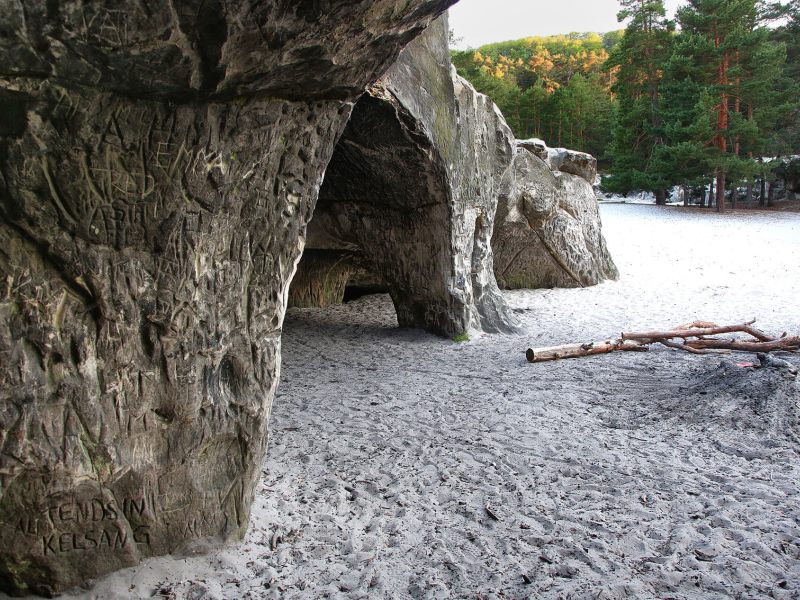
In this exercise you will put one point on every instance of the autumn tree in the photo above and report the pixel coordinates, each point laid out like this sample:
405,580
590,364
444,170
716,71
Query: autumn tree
552,87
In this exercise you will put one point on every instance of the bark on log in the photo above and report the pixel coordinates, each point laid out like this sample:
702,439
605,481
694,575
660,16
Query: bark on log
579,350
699,332
790,344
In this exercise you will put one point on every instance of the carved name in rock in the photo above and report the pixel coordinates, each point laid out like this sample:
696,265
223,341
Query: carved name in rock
548,230
158,164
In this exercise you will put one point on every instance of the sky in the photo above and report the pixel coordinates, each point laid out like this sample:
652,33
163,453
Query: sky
481,22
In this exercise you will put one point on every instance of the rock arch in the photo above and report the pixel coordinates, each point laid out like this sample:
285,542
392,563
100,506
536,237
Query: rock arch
410,194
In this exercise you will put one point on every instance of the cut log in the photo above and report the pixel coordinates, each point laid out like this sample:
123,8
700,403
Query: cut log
579,350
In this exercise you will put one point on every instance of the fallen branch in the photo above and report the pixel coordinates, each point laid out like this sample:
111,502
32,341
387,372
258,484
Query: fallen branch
789,344
695,338
688,348
699,332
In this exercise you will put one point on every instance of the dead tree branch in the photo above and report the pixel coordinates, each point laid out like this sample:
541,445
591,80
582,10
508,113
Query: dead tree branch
696,340
789,344
700,332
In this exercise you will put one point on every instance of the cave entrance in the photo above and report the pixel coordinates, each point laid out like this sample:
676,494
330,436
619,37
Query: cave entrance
382,222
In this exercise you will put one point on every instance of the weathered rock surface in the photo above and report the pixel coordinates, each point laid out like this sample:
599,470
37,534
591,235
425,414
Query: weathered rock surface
423,155
562,159
547,230
412,190
159,161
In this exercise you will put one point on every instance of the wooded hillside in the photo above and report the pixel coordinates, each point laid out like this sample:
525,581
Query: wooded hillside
695,102
554,87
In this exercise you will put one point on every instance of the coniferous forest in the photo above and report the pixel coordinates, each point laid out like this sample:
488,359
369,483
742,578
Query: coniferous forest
705,103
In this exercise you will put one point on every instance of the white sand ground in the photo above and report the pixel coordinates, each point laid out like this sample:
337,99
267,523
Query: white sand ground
658,475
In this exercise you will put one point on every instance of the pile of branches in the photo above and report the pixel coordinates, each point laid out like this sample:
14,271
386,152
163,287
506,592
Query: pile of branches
697,338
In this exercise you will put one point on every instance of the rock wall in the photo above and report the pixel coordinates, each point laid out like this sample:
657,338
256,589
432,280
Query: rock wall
321,278
412,190
159,161
548,230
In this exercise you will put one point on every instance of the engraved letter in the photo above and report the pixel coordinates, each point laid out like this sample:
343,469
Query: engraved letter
47,544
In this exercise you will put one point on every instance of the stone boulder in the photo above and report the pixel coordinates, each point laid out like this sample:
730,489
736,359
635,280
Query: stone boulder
159,162
562,159
411,192
547,229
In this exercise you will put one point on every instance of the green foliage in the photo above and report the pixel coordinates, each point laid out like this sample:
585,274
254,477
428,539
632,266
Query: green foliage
639,61
783,117
461,337
549,87
719,98
700,103
660,104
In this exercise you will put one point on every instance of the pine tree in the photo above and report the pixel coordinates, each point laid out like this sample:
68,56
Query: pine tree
785,93
638,61
724,48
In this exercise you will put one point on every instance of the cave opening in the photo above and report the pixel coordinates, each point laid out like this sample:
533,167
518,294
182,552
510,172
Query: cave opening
382,220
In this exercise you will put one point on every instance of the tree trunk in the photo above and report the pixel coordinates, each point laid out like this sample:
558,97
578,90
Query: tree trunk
661,197
762,198
686,192
559,129
734,196
748,201
771,194
722,118
720,190
711,194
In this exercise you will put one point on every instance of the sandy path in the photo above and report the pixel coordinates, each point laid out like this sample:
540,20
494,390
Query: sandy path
657,475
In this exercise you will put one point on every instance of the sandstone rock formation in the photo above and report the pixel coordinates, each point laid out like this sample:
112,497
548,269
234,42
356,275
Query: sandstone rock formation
562,159
159,160
410,197
411,191
547,228
321,278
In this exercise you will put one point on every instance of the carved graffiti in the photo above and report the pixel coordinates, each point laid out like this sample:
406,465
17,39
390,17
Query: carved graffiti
90,525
